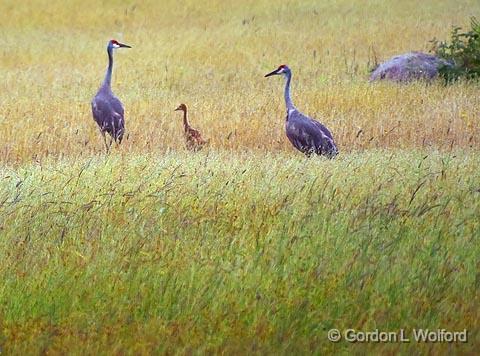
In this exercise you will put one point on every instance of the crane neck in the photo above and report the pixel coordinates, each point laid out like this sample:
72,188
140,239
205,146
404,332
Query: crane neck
185,120
288,99
108,75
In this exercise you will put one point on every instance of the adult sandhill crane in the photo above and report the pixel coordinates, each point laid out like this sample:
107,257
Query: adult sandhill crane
107,110
193,138
306,134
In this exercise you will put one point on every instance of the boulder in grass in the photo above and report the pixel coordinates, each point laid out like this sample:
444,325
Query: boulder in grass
409,66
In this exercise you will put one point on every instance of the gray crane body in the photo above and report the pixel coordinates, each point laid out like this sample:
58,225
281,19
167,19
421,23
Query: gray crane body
306,134
107,109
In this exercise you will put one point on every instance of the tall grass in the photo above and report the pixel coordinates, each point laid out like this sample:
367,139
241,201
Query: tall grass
257,254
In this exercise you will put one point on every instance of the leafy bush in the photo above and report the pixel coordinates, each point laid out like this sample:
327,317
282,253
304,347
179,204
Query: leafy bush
463,53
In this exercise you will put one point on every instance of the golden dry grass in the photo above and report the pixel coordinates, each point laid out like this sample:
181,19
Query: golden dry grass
212,56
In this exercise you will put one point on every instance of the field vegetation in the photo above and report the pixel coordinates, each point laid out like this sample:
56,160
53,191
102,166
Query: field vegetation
247,246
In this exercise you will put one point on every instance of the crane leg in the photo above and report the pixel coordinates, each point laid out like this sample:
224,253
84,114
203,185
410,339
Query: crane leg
110,144
107,148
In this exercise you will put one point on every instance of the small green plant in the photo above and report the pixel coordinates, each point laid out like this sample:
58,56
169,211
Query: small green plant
462,53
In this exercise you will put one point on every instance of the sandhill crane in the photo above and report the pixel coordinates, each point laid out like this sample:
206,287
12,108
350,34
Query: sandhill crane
107,110
193,138
306,134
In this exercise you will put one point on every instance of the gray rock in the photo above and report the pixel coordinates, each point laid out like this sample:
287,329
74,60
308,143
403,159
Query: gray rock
409,66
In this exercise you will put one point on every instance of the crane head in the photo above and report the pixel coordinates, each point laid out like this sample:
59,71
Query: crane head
115,44
181,107
282,69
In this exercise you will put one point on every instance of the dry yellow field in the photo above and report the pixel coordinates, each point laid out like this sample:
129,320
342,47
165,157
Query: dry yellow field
213,56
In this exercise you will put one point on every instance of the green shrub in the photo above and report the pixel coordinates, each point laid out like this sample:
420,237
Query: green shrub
463,53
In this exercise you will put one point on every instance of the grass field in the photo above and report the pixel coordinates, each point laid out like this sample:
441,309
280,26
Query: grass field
247,246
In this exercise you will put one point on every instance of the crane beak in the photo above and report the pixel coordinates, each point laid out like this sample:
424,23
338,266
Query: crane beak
177,109
124,45
275,72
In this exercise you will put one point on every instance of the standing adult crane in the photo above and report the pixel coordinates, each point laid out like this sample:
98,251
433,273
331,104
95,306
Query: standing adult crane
107,109
306,134
193,138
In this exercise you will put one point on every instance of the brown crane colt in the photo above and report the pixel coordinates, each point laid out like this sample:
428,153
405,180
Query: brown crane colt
193,138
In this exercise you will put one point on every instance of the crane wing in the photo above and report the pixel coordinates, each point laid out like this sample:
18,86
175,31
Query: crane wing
309,136
323,128
108,112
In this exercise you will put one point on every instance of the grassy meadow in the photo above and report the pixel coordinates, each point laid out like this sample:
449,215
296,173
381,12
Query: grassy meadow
246,247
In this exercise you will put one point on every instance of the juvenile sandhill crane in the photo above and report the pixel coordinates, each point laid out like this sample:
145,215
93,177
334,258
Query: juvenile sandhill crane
107,110
306,134
193,138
